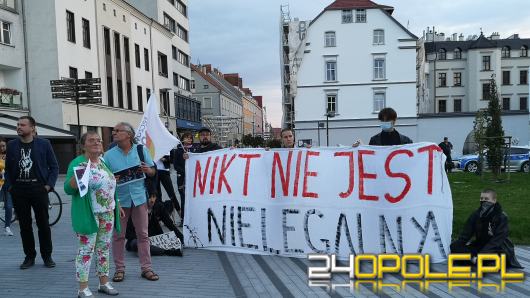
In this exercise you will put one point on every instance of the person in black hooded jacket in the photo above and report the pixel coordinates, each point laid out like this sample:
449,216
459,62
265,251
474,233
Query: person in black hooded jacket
486,231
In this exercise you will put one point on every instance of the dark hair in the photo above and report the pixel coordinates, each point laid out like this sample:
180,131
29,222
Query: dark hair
490,191
29,118
186,135
387,114
286,129
446,138
2,139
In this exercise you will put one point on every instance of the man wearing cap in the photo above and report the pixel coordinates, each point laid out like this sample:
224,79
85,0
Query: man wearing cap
205,138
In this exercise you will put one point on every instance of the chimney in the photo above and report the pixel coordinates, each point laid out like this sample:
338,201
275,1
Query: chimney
207,68
259,100
240,83
232,78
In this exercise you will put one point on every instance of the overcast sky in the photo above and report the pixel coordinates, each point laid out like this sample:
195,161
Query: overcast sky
243,35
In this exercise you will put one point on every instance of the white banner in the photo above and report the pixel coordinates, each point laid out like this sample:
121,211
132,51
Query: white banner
325,200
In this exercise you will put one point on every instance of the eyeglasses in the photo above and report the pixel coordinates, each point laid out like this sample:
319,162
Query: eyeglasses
119,130
94,141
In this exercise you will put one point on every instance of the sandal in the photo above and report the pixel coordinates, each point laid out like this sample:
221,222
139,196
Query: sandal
119,276
150,275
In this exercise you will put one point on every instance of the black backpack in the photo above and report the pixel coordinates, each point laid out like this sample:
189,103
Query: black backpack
150,182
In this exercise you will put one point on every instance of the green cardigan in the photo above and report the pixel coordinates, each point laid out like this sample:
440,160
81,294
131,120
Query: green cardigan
83,220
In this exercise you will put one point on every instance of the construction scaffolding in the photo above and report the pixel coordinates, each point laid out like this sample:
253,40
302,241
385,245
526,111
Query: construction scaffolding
226,130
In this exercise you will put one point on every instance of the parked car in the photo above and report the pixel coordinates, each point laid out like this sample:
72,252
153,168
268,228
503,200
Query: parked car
517,158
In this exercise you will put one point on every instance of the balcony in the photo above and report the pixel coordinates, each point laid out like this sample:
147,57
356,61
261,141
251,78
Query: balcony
10,98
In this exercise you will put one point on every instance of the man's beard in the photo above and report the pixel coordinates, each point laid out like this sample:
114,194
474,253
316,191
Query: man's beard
205,142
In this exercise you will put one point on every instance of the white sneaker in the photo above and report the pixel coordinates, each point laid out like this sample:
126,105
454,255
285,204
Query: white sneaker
8,232
85,293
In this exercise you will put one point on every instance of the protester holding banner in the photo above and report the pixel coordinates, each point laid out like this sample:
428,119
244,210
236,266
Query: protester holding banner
389,136
124,160
31,172
164,179
94,214
205,138
486,231
179,163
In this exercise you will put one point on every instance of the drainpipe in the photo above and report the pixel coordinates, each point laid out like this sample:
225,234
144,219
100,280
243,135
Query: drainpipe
26,63
151,58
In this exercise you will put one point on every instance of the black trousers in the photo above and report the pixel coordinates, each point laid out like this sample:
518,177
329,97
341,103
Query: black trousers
164,178
24,199
182,192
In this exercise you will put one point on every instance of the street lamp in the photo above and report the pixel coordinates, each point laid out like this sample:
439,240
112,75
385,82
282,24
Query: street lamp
329,114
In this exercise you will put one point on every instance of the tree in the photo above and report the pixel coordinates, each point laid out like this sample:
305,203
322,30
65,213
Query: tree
252,141
274,143
479,133
494,132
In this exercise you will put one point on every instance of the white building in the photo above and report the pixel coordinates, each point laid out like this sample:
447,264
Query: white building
357,59
110,39
453,77
13,90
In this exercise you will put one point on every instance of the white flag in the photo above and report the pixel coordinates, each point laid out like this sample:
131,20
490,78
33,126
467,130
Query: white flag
153,134
82,177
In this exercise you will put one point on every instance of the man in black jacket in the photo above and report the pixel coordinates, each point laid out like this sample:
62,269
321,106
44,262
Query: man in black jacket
205,138
31,172
486,231
389,136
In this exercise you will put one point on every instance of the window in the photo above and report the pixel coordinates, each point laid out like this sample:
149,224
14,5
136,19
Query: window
442,54
360,16
88,75
486,63
205,86
457,105
506,103
505,52
183,58
192,84
162,64
379,101
128,90
182,33
147,94
442,79
331,102
331,71
442,106
8,4
182,8
117,51
137,55
126,49
379,68
146,59
506,77
70,26
207,102
523,103
347,16
164,103
73,72
86,33
457,54
110,92
457,79
175,80
5,32
329,39
379,36
169,23
184,83
485,91
119,88
174,53
523,77
524,51
104,7
106,37
140,99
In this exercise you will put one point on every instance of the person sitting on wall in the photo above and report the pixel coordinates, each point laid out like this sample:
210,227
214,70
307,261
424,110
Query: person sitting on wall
486,231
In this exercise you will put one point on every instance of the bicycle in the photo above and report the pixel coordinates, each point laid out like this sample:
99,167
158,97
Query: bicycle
55,208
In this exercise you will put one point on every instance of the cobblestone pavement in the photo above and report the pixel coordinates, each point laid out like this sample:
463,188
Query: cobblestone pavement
206,273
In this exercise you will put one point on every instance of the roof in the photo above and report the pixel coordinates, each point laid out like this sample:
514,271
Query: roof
363,4
218,82
480,43
8,129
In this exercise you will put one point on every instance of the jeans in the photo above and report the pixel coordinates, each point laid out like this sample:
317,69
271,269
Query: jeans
8,205
26,197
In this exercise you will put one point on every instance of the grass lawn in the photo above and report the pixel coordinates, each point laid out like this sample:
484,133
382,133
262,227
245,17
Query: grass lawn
514,197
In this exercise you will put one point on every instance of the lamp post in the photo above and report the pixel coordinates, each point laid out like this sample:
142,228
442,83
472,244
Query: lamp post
329,114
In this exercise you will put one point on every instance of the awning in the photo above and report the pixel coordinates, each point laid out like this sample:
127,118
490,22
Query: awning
8,129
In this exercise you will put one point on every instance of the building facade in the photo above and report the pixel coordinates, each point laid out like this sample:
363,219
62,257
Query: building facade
13,76
109,39
357,59
221,104
454,77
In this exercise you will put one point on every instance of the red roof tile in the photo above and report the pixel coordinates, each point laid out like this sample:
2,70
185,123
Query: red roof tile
356,4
